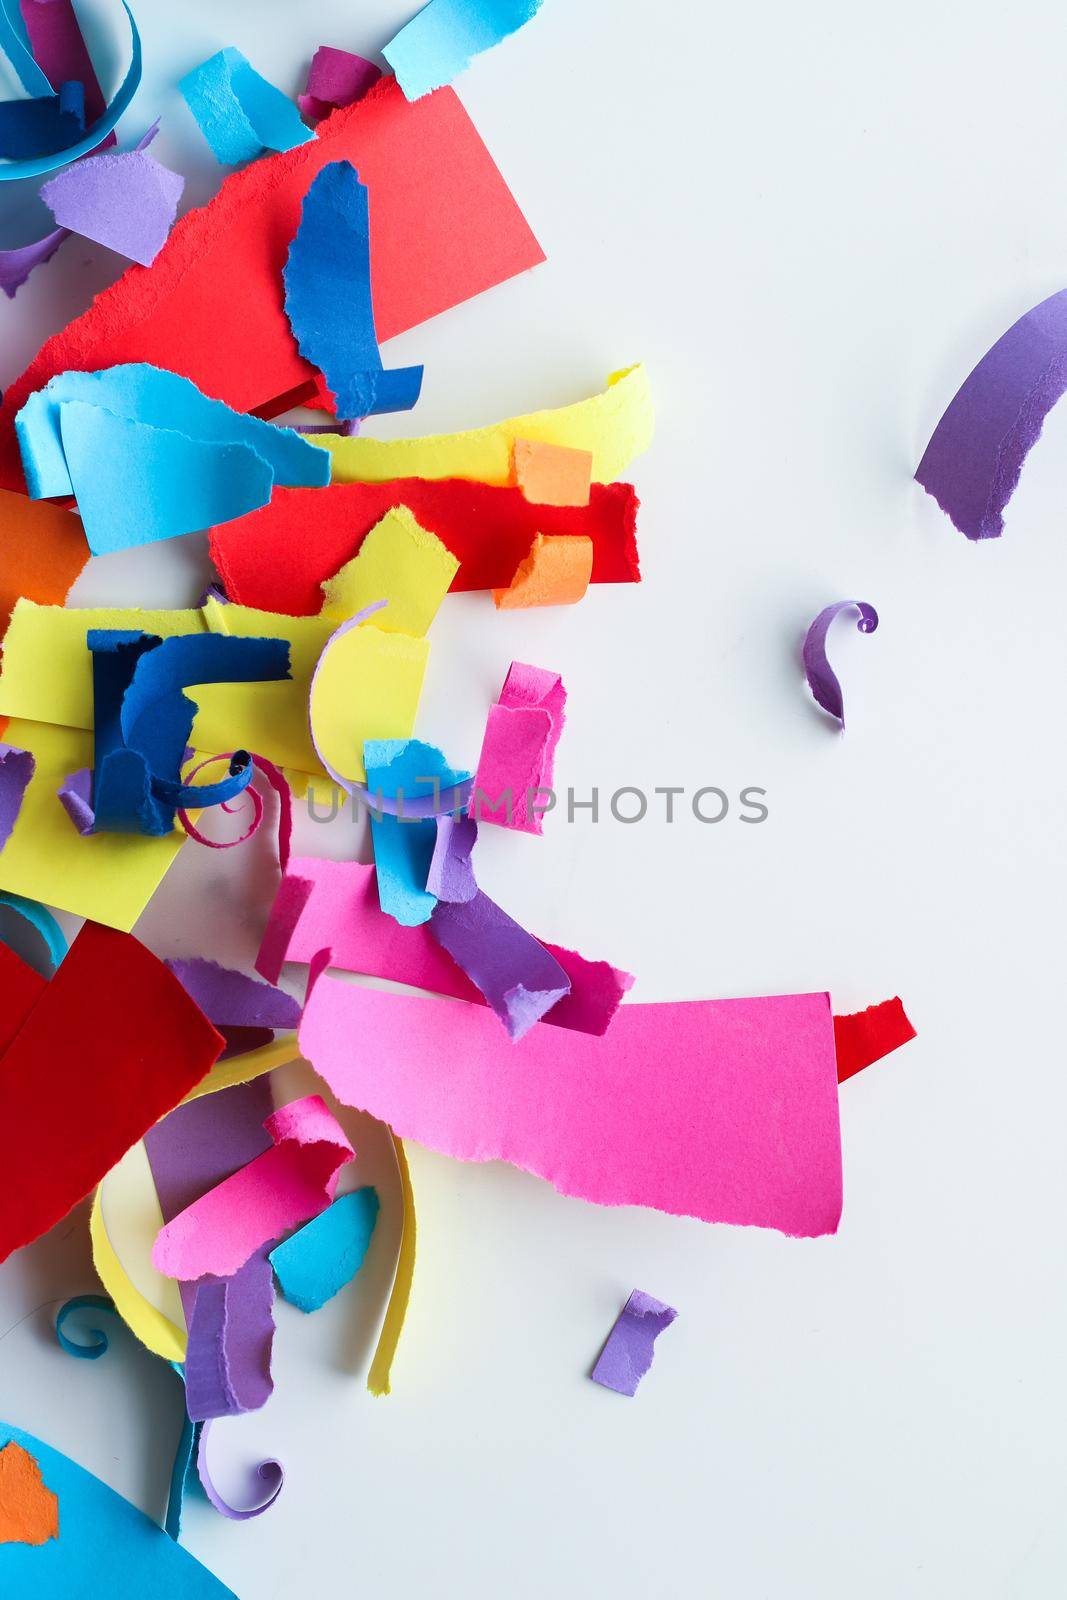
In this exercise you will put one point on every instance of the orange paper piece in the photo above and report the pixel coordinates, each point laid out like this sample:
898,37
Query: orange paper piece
553,474
29,1512
555,573
44,551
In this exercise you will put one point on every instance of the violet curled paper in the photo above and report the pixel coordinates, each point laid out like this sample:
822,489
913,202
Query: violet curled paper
822,679
975,457
627,1354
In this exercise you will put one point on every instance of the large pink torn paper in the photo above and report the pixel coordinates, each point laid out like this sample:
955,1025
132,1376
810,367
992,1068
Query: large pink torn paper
279,1190
333,905
513,783
725,1110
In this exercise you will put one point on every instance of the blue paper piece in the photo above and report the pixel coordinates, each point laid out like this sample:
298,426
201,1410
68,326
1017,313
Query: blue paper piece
159,400
41,919
239,113
438,43
98,1341
100,129
105,1545
328,298
143,720
182,1475
43,126
325,1254
405,770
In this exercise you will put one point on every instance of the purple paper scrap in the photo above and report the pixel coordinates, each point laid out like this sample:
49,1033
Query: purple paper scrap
822,679
627,1353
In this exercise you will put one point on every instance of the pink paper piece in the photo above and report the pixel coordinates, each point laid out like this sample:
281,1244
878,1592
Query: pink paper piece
335,78
725,1110
333,905
127,202
277,1191
514,776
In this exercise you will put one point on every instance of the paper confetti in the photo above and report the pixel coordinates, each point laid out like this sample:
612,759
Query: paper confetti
513,783
555,573
239,113
327,1252
335,78
126,201
438,43
627,1355
822,679
867,1036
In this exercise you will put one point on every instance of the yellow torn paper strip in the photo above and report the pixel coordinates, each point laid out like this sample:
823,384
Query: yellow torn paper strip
243,1068
614,427
378,1378
401,562
109,877
555,573
150,1306
552,474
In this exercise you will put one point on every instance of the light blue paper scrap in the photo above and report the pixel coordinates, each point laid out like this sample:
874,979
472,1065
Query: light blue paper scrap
239,113
161,399
328,298
327,1252
403,847
438,43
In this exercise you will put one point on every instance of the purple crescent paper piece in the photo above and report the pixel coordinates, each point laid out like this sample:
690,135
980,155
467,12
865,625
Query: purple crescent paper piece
224,1374
270,1471
822,680
16,769
127,202
16,265
973,461
627,1354
451,875
335,78
232,999
76,798
516,974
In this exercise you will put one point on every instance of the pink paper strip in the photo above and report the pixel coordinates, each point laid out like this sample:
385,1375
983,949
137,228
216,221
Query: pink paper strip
333,905
519,750
277,1191
724,1110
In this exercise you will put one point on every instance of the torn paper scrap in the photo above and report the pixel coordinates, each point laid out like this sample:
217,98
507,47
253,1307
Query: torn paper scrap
404,770
44,552
232,999
867,1036
328,298
335,78
16,770
444,227
112,1044
513,783
280,556
110,878
451,875
29,1512
555,573
627,1355
227,1365
439,42
278,1190
17,264
975,457
400,562
239,113
43,126
102,1538
553,474
365,687
519,978
744,1129
614,427
327,1252
334,905
59,49
126,201
44,924
269,1472
822,679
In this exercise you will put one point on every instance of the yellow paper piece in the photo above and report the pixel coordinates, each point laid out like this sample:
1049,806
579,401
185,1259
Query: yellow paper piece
367,687
109,877
552,474
243,1068
398,561
378,1378
555,573
164,1335
614,427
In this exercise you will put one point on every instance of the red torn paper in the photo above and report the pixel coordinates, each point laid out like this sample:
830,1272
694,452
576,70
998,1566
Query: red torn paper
444,227
277,558
112,1044
867,1036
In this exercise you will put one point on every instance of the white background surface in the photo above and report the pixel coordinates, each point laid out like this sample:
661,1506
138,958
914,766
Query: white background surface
810,222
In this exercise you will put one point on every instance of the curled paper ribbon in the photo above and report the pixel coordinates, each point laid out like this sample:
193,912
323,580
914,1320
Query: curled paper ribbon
100,1343
271,1472
93,136
822,679
42,921
285,806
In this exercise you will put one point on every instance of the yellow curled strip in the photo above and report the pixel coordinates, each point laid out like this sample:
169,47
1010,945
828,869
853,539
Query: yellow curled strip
143,1319
395,1312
